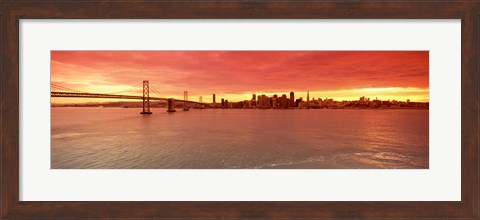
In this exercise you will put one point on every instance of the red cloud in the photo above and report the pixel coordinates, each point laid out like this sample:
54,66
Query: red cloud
206,72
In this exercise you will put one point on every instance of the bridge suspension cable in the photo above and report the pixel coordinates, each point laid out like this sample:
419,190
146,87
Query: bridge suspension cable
62,91
156,92
133,87
63,88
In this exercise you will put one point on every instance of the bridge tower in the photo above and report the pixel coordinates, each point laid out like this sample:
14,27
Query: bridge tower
185,99
171,105
146,99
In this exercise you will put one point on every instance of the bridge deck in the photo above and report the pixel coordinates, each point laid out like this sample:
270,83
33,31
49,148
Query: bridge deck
110,96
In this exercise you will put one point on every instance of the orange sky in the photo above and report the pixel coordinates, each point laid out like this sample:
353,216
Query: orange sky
235,75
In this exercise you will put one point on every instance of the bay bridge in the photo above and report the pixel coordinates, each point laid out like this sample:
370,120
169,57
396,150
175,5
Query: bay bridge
65,92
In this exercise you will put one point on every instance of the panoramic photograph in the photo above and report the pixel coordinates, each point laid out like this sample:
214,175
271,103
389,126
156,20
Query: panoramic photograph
239,109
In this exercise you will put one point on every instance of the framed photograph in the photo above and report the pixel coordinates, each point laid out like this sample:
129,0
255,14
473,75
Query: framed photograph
243,130
239,109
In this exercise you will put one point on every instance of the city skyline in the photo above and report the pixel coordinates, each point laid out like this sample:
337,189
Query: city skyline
236,75
262,101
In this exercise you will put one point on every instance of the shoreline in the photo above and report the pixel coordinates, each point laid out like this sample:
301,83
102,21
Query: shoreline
395,108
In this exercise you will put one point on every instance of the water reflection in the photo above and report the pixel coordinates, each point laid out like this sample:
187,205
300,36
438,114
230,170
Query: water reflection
236,138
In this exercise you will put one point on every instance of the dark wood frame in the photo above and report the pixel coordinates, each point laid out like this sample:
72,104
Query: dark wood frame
12,11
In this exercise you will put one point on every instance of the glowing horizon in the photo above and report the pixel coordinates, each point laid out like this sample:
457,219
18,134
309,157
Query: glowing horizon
236,75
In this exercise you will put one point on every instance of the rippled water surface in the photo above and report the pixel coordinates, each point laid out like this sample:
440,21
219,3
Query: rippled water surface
238,138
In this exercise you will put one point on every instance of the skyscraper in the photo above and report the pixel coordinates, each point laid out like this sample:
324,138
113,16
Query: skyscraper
284,101
223,103
277,100
214,100
308,97
292,99
261,101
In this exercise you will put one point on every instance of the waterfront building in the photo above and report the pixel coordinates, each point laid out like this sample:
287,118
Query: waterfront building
274,102
298,101
292,99
263,101
254,100
214,105
284,101
308,97
302,104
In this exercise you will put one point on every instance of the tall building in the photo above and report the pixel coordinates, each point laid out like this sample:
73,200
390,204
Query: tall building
298,101
284,101
292,99
263,102
223,103
308,97
214,101
275,101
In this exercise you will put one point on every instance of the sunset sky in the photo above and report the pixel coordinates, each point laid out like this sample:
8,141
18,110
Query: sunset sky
236,75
